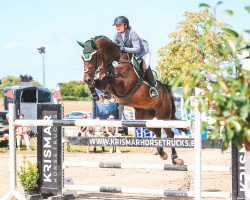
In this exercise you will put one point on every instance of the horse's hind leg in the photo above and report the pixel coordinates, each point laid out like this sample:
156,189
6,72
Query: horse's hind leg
150,114
161,152
174,156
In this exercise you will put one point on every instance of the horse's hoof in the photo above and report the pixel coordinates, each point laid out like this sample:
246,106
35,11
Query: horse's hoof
95,97
107,95
177,161
164,156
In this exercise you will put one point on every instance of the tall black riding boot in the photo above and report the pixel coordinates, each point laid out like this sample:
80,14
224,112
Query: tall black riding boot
153,92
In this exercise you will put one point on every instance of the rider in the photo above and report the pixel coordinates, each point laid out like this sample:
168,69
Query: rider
130,42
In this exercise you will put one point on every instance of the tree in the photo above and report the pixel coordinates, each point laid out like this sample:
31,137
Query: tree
194,46
12,81
75,90
205,47
26,78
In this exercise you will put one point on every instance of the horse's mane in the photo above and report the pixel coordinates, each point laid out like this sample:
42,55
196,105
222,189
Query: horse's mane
103,37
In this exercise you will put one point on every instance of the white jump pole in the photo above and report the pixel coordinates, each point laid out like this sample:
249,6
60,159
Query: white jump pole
12,157
115,123
197,147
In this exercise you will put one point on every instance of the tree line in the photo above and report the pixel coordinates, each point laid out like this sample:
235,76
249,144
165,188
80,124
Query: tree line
71,91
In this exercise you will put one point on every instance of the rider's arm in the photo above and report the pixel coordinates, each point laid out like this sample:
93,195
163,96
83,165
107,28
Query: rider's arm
135,43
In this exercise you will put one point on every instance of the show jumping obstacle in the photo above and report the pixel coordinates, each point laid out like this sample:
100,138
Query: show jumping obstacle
167,167
50,156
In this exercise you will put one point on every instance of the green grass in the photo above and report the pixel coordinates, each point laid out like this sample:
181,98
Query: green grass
75,148
3,149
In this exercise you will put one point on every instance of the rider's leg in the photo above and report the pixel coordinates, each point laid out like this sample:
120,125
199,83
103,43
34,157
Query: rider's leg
150,77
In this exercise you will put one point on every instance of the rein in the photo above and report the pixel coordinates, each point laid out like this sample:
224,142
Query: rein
112,64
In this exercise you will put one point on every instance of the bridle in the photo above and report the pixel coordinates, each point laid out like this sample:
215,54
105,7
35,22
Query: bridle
108,67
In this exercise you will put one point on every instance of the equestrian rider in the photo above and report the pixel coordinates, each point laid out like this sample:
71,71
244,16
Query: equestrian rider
130,42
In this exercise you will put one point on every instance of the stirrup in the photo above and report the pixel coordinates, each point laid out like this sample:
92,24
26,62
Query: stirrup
153,92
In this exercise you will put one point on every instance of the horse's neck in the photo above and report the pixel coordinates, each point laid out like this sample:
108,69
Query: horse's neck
125,80
109,50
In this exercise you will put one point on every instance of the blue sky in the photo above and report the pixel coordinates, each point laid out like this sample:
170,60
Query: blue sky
58,24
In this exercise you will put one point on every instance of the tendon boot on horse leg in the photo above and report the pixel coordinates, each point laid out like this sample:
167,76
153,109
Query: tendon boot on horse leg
174,156
153,92
175,159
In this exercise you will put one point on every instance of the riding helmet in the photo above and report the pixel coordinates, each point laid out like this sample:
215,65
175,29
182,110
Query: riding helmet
121,20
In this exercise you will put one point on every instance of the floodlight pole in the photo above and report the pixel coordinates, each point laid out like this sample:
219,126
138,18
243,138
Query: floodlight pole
42,51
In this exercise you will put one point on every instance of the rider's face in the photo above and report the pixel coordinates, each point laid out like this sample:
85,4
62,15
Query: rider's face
120,28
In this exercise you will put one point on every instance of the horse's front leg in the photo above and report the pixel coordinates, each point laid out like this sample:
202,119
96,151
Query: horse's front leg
99,85
150,114
95,96
105,86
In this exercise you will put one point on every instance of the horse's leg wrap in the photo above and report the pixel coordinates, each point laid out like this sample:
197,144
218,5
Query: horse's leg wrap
174,154
175,159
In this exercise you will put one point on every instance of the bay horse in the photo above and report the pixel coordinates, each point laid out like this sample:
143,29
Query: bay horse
109,70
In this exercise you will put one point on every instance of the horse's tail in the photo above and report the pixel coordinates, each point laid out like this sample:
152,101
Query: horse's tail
185,130
172,101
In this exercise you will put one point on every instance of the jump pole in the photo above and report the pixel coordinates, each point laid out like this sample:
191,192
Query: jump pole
197,147
166,167
116,123
54,123
12,158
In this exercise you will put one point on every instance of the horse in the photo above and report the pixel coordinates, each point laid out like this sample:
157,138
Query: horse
110,70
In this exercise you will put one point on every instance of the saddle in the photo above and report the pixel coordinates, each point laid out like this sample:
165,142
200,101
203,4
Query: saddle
139,66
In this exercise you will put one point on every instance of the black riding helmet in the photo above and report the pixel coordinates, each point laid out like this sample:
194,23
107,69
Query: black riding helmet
121,20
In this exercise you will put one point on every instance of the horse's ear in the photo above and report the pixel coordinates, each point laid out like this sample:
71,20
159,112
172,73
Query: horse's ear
81,44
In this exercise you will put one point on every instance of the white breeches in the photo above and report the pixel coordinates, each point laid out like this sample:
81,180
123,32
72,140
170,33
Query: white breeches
147,59
26,140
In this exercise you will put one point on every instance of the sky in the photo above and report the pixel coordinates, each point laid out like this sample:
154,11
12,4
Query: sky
59,24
